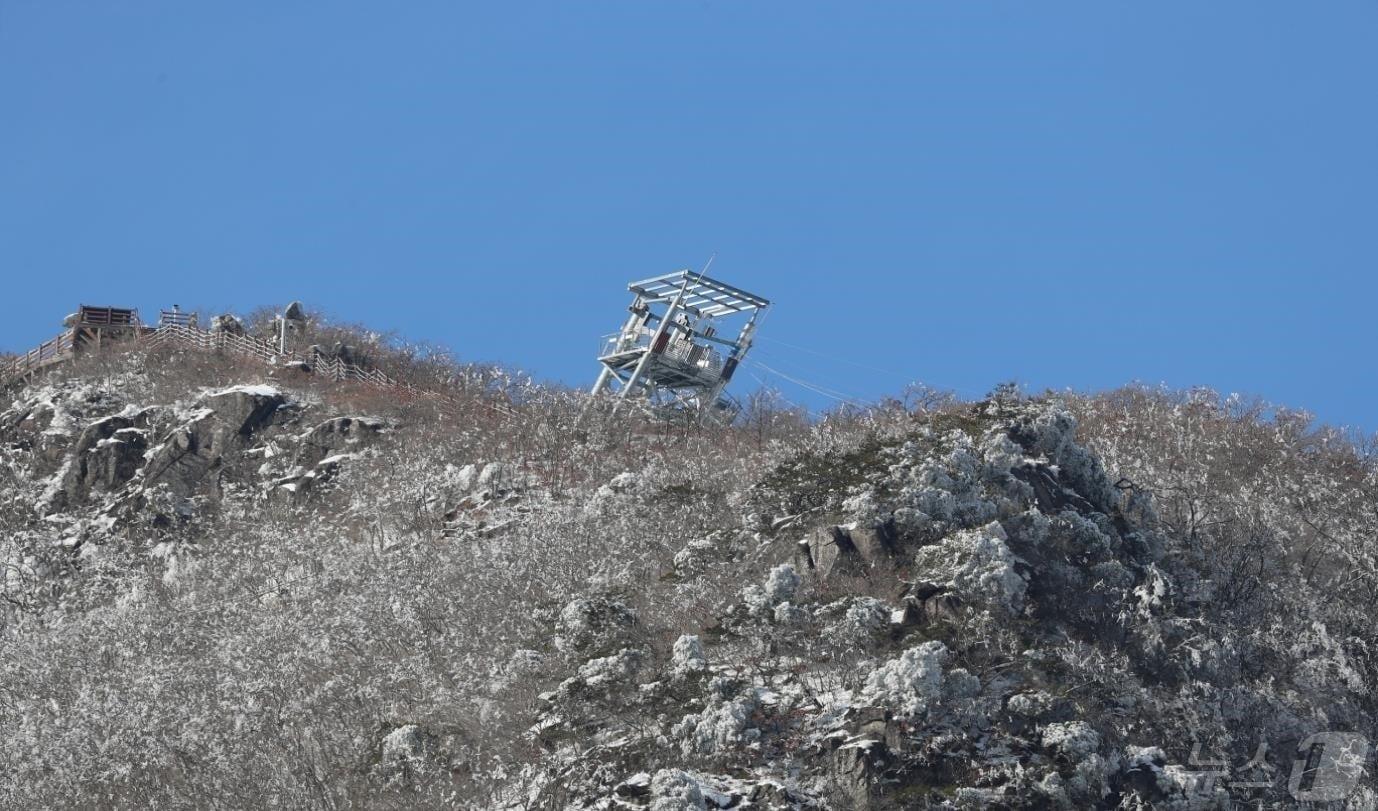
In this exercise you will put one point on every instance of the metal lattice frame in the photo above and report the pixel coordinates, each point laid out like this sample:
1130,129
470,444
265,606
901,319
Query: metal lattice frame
669,350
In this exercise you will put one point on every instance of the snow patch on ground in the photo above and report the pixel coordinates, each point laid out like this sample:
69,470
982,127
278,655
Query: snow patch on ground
257,390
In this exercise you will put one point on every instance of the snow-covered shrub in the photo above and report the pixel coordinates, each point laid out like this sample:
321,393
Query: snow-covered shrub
853,621
1033,704
1149,763
1073,740
405,752
676,790
912,523
910,684
781,583
788,614
1000,453
1081,539
699,554
959,684
1029,527
978,565
864,508
406,742
594,625
603,672
779,587
722,724
1090,777
524,661
865,616
1324,661
970,798
1054,789
623,482
1152,593
619,490
687,659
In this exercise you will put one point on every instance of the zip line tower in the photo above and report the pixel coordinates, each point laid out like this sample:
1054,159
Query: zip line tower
670,350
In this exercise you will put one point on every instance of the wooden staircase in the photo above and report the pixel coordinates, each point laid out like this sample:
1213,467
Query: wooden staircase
44,355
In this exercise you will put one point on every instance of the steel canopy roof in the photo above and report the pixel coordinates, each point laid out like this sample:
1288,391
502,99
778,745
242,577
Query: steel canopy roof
702,295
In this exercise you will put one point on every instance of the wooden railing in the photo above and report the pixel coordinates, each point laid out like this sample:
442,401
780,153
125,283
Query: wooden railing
190,336
46,354
177,317
336,369
107,316
193,337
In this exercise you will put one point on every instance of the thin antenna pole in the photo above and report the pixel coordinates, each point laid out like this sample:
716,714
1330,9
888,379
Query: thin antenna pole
704,272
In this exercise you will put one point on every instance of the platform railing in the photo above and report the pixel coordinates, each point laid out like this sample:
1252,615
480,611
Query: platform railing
88,316
191,336
176,318
618,342
334,369
703,359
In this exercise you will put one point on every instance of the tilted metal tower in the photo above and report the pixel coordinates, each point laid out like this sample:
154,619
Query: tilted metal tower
670,351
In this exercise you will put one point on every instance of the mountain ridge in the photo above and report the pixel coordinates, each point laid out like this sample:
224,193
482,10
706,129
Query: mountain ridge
226,587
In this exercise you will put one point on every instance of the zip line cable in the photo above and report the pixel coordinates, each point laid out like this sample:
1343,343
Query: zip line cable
764,385
849,362
804,376
838,359
830,394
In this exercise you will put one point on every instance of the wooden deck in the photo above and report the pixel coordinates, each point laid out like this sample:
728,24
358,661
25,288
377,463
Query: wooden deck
86,336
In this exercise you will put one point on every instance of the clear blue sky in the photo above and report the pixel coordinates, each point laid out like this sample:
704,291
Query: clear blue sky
1066,194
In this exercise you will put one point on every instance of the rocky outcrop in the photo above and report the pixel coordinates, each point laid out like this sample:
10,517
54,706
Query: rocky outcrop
927,603
106,455
25,427
339,351
25,418
336,436
228,324
849,550
1050,493
1002,533
227,422
855,769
